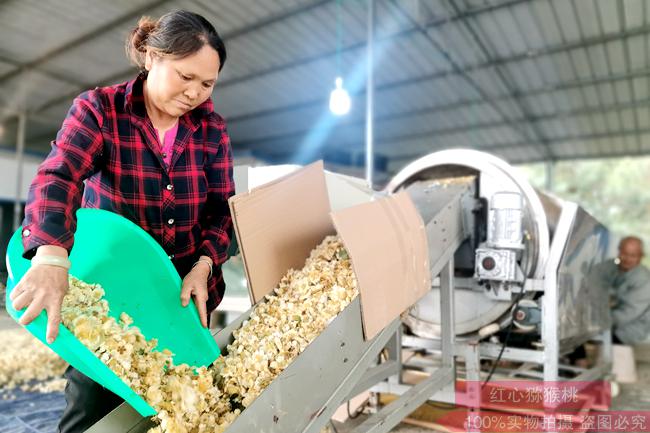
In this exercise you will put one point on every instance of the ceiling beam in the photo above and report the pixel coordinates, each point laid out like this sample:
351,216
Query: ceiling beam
554,140
509,84
125,73
80,40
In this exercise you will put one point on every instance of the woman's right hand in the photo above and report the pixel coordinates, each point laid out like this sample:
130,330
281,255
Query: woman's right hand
41,288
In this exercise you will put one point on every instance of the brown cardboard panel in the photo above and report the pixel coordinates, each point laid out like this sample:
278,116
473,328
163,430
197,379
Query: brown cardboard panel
278,224
387,243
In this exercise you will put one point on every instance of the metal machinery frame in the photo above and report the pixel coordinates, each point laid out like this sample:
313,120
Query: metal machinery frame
550,348
306,394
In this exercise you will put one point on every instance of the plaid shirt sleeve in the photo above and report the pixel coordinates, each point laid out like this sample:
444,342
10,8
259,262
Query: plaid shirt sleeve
217,222
56,191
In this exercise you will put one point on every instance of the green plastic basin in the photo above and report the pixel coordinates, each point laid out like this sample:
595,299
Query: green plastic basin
138,279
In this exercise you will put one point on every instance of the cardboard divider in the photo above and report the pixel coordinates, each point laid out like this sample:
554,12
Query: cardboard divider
279,223
386,240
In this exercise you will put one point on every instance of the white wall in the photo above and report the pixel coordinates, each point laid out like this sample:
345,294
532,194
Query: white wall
9,174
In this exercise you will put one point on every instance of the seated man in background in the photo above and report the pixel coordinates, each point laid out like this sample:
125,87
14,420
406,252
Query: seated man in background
629,287
628,282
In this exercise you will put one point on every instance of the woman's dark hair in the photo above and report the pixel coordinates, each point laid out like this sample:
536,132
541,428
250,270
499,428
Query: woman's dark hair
178,33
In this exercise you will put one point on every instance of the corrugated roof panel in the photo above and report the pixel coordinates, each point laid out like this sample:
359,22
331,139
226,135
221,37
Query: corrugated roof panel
575,99
507,26
54,23
581,62
564,67
585,124
281,70
640,88
457,42
532,70
545,68
460,89
558,148
617,56
31,89
420,51
591,96
564,13
392,17
613,120
548,25
560,99
616,144
627,116
489,31
645,141
609,15
633,13
440,91
505,136
491,112
528,153
622,89
643,114
508,134
487,81
518,75
606,93
636,46
525,19
551,128
481,113
400,60
541,104
601,146
565,127
632,144
437,10
598,59
441,120
429,54
101,59
600,127
587,18
394,62
508,108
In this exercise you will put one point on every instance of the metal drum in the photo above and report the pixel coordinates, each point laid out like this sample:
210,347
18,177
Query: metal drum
494,179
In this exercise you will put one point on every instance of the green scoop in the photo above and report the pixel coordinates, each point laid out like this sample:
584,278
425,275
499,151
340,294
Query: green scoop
138,279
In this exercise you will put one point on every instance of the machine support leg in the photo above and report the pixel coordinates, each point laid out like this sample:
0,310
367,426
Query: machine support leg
473,378
391,415
394,348
447,321
348,383
443,378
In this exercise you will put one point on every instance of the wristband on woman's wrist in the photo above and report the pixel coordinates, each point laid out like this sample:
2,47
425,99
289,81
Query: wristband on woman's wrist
51,260
207,262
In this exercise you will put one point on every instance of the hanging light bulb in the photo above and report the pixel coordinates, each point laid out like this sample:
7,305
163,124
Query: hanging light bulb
339,99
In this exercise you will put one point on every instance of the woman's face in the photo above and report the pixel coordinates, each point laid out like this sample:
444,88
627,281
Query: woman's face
176,86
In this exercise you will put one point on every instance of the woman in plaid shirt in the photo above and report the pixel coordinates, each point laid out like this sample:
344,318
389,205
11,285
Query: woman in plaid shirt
152,150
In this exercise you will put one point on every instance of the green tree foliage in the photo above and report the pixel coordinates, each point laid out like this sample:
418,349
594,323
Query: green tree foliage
615,191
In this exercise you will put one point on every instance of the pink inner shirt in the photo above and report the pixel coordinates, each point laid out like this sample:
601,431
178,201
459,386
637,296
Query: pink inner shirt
168,145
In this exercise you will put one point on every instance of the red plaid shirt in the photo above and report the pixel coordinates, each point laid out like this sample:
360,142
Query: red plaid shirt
108,140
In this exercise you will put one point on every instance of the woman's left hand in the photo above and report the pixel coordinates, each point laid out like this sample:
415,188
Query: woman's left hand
195,285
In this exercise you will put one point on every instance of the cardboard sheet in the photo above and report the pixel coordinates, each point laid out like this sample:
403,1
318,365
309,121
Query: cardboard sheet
387,243
278,224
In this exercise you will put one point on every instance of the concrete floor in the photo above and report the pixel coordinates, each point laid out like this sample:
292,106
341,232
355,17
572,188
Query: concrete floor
39,413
